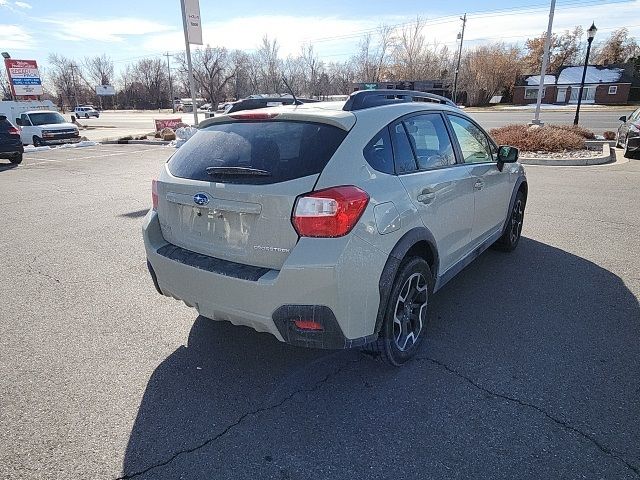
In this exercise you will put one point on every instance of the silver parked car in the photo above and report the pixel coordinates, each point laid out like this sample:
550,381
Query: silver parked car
331,224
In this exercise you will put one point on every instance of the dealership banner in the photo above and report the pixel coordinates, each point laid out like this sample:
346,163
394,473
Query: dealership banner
171,123
192,16
24,77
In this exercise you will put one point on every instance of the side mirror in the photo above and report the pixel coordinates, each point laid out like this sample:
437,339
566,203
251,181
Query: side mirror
19,122
507,154
623,119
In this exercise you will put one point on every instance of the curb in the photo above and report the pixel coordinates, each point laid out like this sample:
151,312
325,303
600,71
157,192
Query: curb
569,162
136,142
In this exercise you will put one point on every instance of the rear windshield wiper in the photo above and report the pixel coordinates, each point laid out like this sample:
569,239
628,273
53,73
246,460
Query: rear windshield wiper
238,171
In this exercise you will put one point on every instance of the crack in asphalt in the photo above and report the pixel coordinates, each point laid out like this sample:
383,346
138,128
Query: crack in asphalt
604,449
32,270
241,419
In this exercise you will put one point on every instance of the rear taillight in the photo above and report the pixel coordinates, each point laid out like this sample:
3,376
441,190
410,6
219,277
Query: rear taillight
13,131
329,213
154,194
253,116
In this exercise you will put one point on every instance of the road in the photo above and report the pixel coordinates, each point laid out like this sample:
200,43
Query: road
529,371
116,124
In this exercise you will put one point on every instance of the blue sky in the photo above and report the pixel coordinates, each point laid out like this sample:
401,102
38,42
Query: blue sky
127,30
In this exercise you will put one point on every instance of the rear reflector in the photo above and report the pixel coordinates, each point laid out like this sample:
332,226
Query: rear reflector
154,194
308,325
329,213
253,116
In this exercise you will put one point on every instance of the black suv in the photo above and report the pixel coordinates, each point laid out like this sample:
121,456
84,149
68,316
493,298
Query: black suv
10,143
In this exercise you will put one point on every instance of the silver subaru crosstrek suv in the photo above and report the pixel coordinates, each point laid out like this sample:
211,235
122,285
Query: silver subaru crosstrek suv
330,225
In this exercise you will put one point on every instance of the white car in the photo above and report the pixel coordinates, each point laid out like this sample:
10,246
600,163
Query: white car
330,225
86,112
46,127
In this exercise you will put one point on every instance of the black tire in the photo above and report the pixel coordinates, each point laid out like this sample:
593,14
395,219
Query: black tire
37,141
17,159
395,344
627,153
618,144
513,230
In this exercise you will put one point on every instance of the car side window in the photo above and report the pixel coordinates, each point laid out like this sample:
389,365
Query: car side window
430,140
635,115
402,152
24,119
474,144
378,153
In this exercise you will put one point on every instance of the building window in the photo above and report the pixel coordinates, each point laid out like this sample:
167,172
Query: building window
532,93
613,89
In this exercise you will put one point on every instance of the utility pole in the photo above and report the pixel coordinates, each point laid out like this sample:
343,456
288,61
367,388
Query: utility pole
545,61
173,104
192,85
455,79
75,85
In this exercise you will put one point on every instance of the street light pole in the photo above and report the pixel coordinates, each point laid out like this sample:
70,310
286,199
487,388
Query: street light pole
545,61
192,86
590,34
455,78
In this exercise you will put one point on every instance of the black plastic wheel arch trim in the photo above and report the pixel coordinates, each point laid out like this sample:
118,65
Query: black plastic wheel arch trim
390,270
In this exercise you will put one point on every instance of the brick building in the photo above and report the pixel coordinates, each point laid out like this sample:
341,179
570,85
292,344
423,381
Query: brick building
603,85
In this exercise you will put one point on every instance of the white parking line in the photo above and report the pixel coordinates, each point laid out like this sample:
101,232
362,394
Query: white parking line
42,161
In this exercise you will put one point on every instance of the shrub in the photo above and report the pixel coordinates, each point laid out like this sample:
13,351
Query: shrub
549,138
578,130
609,135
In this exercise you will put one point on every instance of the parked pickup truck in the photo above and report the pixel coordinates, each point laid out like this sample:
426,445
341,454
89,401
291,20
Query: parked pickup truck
46,127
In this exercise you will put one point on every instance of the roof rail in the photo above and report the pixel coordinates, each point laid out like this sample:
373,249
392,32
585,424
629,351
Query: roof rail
374,98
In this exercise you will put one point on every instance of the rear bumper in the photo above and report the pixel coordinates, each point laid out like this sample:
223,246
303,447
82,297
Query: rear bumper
337,286
60,141
10,150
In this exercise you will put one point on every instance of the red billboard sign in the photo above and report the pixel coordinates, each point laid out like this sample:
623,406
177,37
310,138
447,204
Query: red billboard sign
24,77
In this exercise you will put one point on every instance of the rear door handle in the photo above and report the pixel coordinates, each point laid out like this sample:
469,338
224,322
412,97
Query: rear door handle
478,185
427,196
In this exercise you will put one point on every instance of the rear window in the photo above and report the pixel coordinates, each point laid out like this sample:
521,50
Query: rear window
284,149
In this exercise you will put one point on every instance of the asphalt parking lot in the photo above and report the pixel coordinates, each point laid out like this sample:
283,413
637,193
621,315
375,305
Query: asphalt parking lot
530,368
114,124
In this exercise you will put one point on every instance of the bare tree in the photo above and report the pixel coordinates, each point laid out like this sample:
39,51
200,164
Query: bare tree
620,47
151,75
489,70
98,70
213,69
268,66
372,60
565,49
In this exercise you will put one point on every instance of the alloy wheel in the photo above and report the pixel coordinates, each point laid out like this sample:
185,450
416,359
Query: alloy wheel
409,316
516,221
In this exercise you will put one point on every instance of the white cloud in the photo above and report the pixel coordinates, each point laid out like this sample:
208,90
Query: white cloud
22,5
110,30
14,37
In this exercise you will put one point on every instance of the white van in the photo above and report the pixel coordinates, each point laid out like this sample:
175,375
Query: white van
46,127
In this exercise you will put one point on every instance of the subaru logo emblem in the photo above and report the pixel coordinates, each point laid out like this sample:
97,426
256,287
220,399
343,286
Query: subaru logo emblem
200,199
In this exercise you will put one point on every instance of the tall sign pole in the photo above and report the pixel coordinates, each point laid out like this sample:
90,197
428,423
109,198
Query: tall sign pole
455,78
192,34
545,62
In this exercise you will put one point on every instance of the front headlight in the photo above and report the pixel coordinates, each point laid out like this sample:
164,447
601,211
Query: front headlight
47,135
